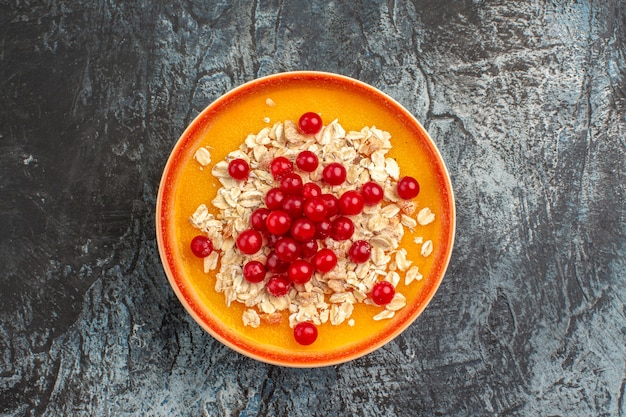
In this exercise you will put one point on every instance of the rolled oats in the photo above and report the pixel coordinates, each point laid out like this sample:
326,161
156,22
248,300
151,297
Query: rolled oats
329,297
412,274
392,168
340,312
390,211
407,221
397,302
210,262
203,156
407,207
425,216
393,277
427,248
251,318
401,260
274,318
385,314
384,242
201,215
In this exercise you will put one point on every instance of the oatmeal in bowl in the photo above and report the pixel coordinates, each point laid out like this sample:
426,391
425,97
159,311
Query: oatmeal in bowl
305,219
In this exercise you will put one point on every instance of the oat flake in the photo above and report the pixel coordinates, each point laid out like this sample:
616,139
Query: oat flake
425,216
427,248
203,156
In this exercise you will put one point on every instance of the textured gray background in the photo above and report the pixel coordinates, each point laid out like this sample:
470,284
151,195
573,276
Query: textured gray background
526,101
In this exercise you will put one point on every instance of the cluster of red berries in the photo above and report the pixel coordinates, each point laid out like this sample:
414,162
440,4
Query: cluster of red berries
296,217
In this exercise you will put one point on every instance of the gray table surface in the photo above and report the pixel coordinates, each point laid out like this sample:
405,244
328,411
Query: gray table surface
526,101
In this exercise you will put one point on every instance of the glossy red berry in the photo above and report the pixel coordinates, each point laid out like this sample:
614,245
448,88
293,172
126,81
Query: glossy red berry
274,198
383,293
258,218
372,193
307,161
360,251
303,230
201,246
278,285
291,184
293,206
275,264
408,188
280,166
322,229
305,333
351,203
254,271
310,123
272,239
315,209
278,222
324,260
332,204
287,249
310,190
238,169
334,174
249,241
308,249
342,228
300,271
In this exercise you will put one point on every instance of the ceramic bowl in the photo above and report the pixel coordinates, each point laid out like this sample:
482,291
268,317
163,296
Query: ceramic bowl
221,128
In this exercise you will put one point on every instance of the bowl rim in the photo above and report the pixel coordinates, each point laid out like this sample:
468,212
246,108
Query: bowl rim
257,354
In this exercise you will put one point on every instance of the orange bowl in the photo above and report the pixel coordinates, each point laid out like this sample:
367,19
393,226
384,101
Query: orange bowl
221,128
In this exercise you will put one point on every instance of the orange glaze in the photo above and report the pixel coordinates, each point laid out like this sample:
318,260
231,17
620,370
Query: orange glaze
223,127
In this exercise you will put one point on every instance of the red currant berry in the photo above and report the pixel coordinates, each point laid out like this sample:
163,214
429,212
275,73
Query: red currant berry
300,271
287,249
342,228
332,204
291,184
315,209
305,333
280,166
307,161
249,241
372,193
360,251
272,239
254,271
324,260
310,190
303,230
408,188
383,293
278,222
201,246
278,286
310,123
258,218
238,169
275,264
322,229
274,199
334,174
293,206
351,203
308,249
